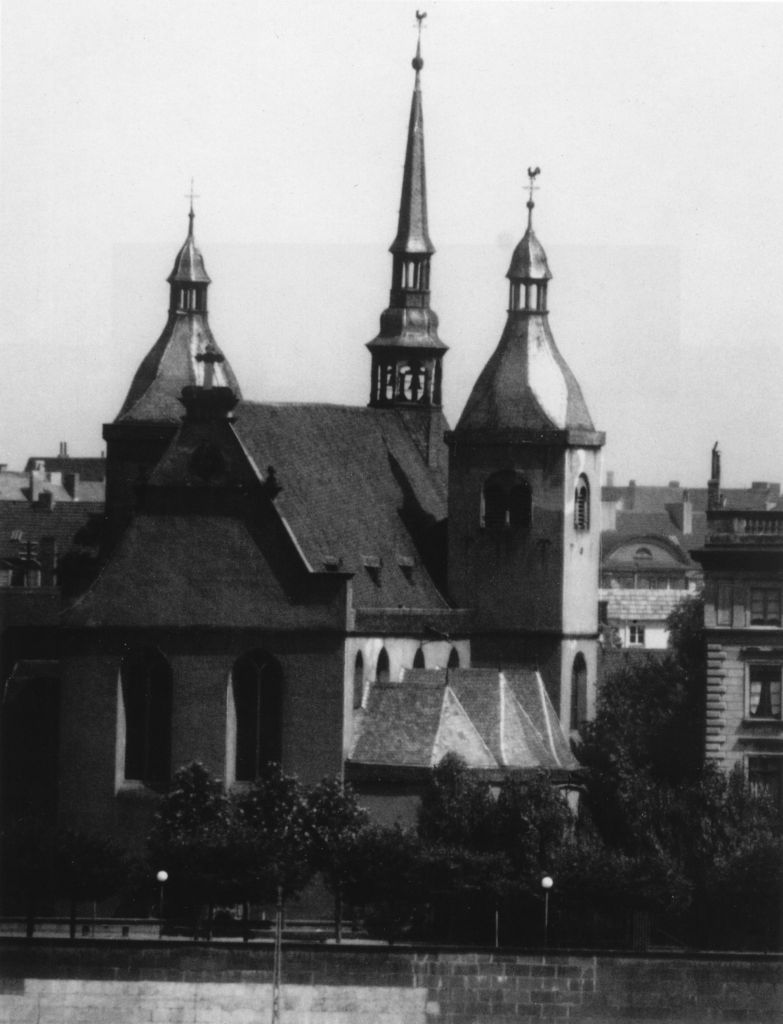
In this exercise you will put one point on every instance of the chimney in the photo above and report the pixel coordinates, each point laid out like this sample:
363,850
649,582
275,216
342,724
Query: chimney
63,449
674,483
610,478
713,486
681,513
36,477
71,484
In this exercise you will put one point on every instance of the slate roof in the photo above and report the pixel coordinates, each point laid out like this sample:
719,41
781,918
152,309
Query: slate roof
355,492
624,603
526,385
654,499
169,366
493,720
62,522
88,468
184,570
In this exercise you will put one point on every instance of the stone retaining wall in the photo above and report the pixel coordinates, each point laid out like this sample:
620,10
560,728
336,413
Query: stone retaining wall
179,983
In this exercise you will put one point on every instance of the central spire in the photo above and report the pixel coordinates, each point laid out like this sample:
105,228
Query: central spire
407,353
412,233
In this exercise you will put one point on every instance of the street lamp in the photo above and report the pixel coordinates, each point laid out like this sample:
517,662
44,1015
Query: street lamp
162,877
546,884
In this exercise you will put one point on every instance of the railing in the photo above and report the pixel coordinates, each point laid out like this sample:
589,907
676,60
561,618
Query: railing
736,526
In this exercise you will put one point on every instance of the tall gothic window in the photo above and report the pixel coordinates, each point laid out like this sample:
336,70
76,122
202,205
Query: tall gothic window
507,501
358,681
257,682
582,504
453,661
382,667
146,696
578,691
418,658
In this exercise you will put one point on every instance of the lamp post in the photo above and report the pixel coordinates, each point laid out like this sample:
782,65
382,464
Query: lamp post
162,877
546,884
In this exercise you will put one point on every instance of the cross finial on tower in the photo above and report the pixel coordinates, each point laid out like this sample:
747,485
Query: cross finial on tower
417,61
191,196
532,174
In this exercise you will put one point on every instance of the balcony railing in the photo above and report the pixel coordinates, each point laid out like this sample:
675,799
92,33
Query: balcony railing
738,527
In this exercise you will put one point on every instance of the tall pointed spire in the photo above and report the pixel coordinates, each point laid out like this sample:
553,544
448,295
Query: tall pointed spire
407,353
412,233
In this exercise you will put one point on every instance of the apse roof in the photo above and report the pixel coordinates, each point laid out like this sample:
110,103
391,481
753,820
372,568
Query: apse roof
493,720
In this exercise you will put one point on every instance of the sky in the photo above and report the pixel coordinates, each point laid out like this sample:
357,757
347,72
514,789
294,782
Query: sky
657,128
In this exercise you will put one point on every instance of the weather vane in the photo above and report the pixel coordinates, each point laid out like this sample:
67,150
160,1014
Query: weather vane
420,16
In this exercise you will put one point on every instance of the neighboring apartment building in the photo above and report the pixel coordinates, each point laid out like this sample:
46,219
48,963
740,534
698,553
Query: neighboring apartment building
647,539
742,559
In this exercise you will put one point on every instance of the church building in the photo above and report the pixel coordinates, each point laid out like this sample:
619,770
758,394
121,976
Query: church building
348,590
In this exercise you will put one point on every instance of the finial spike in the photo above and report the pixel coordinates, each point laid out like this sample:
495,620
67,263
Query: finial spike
191,196
417,62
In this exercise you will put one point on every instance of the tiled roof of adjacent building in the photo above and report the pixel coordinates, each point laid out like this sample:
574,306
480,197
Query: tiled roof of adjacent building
640,605
493,720
20,523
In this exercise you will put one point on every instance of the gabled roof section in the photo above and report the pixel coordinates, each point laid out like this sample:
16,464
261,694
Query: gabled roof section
493,720
356,493
190,571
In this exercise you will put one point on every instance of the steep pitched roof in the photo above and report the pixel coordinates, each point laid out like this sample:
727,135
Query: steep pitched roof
356,494
188,570
493,720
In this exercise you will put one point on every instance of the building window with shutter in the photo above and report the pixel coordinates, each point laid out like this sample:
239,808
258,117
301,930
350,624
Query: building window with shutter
636,635
765,606
764,691
724,605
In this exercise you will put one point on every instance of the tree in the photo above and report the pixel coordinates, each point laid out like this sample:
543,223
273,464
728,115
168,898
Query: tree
456,809
385,880
273,837
336,821
194,840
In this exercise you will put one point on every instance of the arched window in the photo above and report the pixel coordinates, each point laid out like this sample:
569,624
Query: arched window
358,681
453,661
418,658
257,682
582,504
382,667
507,501
578,691
146,698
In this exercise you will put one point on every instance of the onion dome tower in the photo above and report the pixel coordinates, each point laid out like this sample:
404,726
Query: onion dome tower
407,353
153,407
524,498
